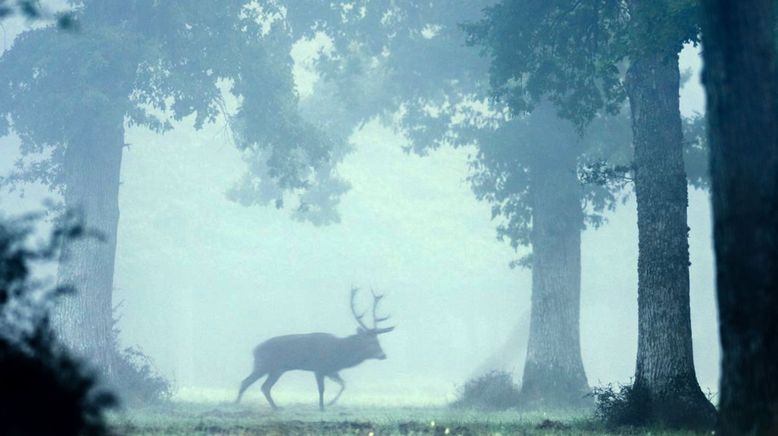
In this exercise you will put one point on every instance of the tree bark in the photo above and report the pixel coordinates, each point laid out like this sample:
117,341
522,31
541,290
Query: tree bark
742,90
665,364
554,374
92,166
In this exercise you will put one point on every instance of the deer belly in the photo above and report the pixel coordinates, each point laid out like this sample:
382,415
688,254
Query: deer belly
296,358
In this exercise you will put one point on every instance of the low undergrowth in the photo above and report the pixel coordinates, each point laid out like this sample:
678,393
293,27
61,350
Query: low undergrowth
633,406
136,379
495,390
620,406
253,419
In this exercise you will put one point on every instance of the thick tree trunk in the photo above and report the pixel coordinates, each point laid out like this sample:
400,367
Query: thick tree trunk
665,365
554,375
91,171
742,88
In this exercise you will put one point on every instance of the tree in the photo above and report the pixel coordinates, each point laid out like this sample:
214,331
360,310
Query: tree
522,72
572,54
149,63
665,365
741,82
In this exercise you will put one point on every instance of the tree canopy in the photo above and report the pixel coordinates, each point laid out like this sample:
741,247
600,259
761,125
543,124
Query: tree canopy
154,63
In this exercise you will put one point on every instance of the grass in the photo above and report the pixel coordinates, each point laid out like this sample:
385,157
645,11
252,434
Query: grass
182,418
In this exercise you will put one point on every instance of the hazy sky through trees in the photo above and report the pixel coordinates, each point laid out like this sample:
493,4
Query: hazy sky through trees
203,279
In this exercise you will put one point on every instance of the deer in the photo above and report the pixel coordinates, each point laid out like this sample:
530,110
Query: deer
321,353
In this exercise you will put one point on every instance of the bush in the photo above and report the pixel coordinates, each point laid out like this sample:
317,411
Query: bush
624,405
44,390
633,406
494,390
135,378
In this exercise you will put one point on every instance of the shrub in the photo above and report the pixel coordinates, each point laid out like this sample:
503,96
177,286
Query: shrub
135,378
632,405
43,389
494,390
620,406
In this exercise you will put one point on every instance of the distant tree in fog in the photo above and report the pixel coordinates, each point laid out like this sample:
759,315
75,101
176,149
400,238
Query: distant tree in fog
70,96
572,122
572,54
741,81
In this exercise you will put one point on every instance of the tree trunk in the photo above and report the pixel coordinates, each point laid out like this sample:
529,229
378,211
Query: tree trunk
92,166
665,365
554,375
742,90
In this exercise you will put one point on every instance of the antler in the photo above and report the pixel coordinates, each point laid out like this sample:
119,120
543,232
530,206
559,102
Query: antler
377,299
353,311
376,319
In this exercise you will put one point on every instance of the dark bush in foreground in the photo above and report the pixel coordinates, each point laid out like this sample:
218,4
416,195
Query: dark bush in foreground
622,406
43,389
494,390
632,406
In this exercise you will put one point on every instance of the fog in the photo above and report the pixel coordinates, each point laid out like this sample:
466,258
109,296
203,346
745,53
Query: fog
200,280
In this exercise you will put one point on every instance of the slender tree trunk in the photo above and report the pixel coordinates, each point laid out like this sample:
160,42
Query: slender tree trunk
554,375
665,365
742,90
91,169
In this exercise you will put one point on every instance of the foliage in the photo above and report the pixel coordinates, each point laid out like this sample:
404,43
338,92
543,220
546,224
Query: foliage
31,10
633,406
574,54
38,374
494,390
604,174
564,51
407,63
662,26
695,151
135,379
154,63
621,406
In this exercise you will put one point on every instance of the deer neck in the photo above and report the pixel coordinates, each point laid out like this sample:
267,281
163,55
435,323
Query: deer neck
352,351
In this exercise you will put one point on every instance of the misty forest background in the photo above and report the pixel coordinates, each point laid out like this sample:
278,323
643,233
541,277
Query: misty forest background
217,277
248,163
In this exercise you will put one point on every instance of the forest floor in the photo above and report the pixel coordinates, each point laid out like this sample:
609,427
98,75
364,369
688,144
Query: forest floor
254,419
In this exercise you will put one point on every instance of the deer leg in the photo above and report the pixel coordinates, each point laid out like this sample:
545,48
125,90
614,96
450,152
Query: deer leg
272,378
248,381
320,385
336,378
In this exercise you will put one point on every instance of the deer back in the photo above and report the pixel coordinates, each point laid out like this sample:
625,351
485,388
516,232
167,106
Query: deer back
318,352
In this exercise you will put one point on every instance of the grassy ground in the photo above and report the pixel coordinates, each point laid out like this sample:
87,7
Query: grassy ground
254,419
